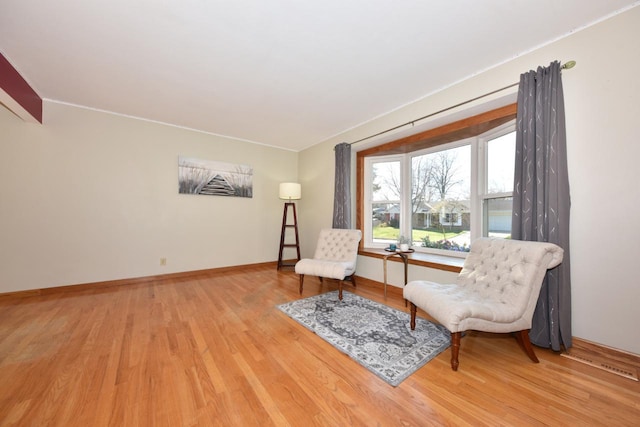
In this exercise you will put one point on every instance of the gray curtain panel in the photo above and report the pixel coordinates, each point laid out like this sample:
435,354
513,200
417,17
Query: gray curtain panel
541,196
342,195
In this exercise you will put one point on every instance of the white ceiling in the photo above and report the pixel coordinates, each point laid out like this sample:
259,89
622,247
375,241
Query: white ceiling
285,73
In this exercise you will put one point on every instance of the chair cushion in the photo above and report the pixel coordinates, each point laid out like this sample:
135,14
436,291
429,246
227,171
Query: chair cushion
323,268
454,306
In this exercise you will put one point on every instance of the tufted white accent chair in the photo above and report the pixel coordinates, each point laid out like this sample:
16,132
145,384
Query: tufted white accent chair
335,257
496,291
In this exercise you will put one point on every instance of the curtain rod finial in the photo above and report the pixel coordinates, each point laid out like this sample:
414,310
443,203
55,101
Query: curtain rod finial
568,65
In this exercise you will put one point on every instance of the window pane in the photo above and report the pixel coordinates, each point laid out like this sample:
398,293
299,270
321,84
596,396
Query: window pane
386,181
385,206
501,153
497,217
440,199
385,222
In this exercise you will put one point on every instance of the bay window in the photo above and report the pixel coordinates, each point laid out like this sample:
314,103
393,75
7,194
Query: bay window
440,193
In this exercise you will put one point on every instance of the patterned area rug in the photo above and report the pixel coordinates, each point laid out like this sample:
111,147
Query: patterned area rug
376,336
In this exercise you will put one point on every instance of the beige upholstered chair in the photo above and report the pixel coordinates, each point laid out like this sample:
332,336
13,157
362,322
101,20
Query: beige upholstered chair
496,291
335,257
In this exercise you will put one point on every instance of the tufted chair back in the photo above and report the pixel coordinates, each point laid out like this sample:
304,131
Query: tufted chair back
335,244
509,273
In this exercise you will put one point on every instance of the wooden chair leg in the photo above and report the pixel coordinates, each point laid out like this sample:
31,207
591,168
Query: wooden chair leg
455,349
455,338
351,278
525,343
413,316
301,282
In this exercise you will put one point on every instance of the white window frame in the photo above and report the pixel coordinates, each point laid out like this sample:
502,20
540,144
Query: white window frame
478,187
368,196
483,189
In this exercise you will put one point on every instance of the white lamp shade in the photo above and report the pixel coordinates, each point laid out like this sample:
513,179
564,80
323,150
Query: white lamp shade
290,191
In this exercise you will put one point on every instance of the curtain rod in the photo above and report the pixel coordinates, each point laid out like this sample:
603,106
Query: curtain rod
567,65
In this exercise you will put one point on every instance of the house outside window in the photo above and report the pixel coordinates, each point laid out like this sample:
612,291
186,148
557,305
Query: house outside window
443,197
452,218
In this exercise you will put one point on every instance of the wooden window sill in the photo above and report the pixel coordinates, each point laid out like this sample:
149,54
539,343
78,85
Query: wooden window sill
439,262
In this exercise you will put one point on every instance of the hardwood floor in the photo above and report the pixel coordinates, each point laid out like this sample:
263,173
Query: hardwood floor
213,350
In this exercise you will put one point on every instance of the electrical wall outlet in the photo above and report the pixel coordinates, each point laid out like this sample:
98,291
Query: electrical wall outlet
163,261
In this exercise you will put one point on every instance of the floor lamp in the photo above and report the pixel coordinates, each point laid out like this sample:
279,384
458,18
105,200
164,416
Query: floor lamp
289,191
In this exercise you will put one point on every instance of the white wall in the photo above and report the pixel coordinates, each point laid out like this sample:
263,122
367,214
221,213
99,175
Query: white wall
602,96
91,196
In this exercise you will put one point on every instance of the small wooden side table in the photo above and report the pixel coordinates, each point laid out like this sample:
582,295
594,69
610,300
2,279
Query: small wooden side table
405,260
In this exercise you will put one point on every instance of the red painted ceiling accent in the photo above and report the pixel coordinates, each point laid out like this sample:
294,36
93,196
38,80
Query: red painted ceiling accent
17,88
